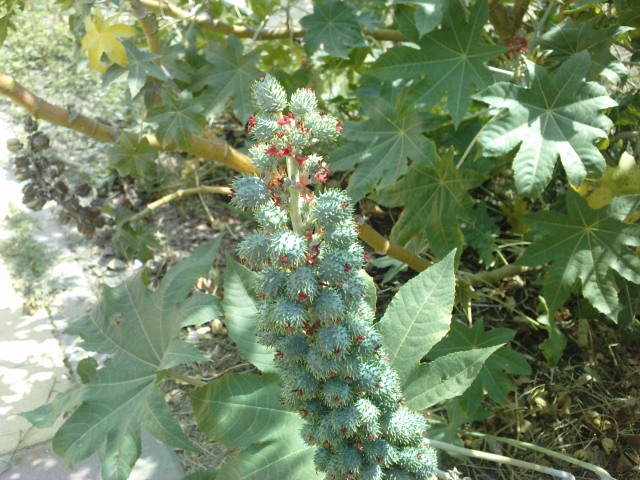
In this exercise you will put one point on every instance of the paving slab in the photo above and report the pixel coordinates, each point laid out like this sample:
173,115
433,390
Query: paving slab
35,356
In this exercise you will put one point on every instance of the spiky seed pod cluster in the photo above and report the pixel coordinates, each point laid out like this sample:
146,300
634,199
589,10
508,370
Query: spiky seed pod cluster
313,310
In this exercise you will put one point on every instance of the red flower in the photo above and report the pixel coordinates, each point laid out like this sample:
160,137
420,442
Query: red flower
287,152
301,159
308,197
323,176
252,123
272,151
286,120
339,126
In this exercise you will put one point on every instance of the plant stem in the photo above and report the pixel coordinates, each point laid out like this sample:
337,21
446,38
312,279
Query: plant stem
294,197
601,472
492,457
178,194
187,379
149,27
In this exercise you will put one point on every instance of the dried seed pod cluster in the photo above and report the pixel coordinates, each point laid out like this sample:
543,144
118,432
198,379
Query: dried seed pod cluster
313,311
44,182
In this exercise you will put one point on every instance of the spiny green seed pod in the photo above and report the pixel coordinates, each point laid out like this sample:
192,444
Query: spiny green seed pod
268,95
312,309
303,102
250,192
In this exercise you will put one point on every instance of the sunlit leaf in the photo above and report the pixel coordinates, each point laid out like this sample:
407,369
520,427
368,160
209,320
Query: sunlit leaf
555,117
452,58
434,198
571,37
382,146
419,316
138,330
243,411
492,376
332,26
586,245
623,179
240,308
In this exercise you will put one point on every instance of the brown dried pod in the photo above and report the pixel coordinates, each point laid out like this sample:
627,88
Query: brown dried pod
60,189
72,205
83,190
53,171
39,142
21,162
100,221
23,175
14,145
30,124
35,204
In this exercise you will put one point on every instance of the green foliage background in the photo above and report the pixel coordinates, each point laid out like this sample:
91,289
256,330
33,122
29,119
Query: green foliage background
475,133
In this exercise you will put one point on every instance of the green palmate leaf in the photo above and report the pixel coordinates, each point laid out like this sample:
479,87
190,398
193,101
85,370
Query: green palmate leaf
179,119
137,160
445,377
480,232
138,329
434,199
557,116
382,146
243,411
492,376
241,311
585,244
419,316
226,77
571,37
452,59
141,66
427,14
332,26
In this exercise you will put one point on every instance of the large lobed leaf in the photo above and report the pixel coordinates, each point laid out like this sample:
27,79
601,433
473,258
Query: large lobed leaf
571,37
492,377
589,245
333,26
382,145
241,311
228,75
178,119
243,411
138,329
452,58
555,117
419,316
137,160
434,198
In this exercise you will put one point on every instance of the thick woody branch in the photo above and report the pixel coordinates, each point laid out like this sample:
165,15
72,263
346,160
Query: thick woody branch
204,21
213,150
149,25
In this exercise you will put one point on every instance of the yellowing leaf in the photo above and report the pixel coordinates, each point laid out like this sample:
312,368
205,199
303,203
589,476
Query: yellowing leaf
103,39
623,179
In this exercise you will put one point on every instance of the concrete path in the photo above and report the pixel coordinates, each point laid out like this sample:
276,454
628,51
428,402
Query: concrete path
34,356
